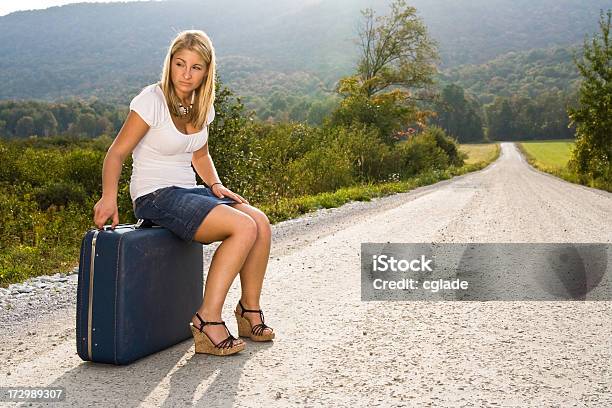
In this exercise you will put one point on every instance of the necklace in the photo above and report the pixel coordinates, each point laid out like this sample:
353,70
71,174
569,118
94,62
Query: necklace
185,111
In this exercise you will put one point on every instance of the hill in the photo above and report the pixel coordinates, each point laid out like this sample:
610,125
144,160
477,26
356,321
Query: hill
528,73
111,50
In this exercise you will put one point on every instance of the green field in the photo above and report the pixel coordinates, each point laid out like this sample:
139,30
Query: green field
553,157
548,155
480,153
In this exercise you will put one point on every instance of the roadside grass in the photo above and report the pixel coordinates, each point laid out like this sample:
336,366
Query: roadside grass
479,156
551,157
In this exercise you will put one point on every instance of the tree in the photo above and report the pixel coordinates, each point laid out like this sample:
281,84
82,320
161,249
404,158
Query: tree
65,115
592,155
230,145
553,120
46,124
395,50
500,120
103,125
397,61
459,116
86,124
3,130
24,126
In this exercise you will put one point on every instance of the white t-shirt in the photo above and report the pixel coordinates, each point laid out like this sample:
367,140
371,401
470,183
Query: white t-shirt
162,158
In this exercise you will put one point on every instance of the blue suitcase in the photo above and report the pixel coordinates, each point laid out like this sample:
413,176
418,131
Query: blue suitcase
138,288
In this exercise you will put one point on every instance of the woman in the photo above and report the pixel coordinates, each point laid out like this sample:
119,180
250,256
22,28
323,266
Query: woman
166,130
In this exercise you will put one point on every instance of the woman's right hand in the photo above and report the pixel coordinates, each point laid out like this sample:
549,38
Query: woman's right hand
104,209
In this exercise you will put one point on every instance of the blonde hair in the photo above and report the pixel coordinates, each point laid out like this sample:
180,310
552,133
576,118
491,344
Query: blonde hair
197,41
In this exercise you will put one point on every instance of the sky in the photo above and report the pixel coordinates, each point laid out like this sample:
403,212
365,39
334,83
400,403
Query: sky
7,7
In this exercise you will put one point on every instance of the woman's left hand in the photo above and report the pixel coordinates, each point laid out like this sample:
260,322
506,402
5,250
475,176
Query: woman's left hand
221,191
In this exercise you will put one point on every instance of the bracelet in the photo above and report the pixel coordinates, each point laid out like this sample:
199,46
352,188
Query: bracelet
212,185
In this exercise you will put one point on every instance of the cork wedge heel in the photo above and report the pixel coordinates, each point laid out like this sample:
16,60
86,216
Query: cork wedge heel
204,345
257,332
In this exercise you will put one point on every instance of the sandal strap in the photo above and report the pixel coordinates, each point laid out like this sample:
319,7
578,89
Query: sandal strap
261,314
258,329
203,323
227,343
248,310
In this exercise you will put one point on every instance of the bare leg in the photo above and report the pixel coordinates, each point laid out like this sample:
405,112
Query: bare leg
238,232
254,267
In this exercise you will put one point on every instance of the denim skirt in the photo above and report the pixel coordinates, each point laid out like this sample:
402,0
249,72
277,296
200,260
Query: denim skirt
179,209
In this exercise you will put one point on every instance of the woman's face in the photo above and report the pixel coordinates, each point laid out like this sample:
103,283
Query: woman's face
187,71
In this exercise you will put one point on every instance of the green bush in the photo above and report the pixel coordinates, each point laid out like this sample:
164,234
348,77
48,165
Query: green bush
9,155
59,194
38,166
368,154
385,112
83,167
419,154
446,143
17,213
324,169
275,148
41,241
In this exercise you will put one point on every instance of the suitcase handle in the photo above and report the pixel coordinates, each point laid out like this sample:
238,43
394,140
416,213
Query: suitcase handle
144,223
141,223
110,227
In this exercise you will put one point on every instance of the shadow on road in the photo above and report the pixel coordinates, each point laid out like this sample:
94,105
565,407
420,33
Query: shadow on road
173,377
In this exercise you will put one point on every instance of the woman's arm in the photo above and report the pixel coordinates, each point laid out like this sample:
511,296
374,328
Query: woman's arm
203,164
131,133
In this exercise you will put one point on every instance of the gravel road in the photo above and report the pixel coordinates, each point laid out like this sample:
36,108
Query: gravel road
332,349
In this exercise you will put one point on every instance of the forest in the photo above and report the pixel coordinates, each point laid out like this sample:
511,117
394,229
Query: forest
288,57
530,101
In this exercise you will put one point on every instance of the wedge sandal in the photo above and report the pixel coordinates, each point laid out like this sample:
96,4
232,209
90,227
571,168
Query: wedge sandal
204,345
256,332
